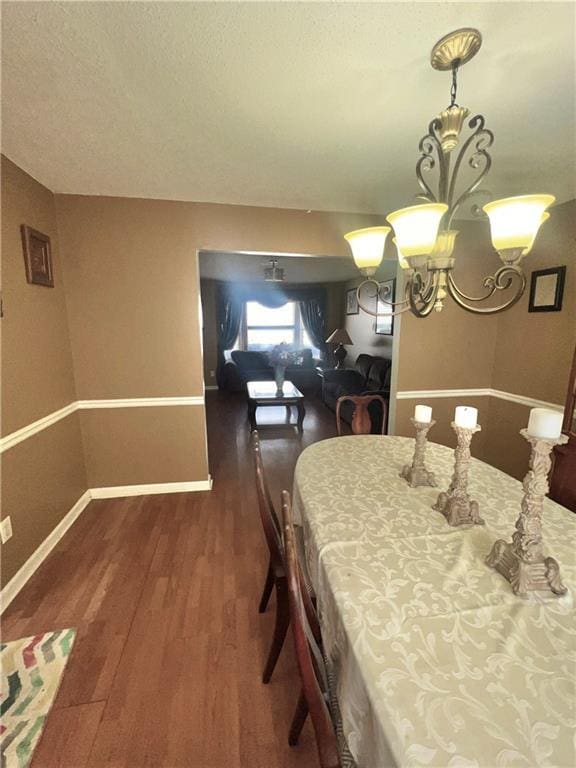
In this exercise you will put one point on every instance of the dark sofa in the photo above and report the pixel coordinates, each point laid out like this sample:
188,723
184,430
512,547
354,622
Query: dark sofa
370,375
254,366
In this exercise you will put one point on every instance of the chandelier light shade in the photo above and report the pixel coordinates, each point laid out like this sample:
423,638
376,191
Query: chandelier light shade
425,235
416,228
367,247
515,221
401,258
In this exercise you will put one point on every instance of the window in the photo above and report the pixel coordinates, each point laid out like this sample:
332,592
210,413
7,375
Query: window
265,327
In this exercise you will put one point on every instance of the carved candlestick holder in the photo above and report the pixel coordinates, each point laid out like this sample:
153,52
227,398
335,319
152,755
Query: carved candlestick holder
455,504
416,473
522,560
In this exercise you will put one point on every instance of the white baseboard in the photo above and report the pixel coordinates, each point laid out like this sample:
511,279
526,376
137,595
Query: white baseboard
36,559
211,387
119,491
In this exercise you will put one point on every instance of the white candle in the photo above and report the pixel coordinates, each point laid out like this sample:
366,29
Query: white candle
545,423
466,416
423,414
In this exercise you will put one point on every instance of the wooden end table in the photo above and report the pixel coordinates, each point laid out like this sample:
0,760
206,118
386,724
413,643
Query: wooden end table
263,393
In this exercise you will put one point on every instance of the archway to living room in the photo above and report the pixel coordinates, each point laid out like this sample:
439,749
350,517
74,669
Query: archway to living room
290,305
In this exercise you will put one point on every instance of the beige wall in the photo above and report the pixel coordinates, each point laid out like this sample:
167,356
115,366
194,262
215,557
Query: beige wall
43,476
134,308
534,349
518,352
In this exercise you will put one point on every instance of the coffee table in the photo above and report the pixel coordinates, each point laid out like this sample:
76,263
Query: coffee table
263,393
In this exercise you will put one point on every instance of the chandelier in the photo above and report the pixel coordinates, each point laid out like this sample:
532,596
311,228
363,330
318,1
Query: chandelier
424,234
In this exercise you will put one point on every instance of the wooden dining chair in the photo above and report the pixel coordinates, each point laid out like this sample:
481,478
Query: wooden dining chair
317,694
361,422
275,577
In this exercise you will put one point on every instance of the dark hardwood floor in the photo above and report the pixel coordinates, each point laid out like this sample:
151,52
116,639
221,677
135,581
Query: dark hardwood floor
163,590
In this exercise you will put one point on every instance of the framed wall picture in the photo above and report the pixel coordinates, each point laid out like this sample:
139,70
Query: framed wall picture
384,318
547,290
352,302
37,257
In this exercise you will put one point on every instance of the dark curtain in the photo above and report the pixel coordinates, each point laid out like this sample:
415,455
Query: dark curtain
230,300
228,314
313,312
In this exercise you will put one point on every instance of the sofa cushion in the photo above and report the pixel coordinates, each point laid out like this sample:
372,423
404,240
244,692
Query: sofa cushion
363,365
379,374
253,361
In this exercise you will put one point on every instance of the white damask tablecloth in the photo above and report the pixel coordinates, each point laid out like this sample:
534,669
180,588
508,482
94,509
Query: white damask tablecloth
438,663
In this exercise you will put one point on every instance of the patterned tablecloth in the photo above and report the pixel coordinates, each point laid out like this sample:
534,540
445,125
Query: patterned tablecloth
438,663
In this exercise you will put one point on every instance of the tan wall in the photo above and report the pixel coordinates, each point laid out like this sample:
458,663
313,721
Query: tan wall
37,375
452,349
132,446
534,349
133,302
43,476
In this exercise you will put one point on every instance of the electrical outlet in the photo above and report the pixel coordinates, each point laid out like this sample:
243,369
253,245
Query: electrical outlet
211,374
5,530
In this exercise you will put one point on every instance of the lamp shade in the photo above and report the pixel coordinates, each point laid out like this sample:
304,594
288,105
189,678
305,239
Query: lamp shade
416,227
515,221
401,258
367,246
340,336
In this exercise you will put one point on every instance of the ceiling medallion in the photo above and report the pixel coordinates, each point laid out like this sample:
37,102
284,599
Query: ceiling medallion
424,235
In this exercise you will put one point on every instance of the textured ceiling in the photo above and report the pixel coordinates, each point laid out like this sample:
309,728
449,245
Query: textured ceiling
301,105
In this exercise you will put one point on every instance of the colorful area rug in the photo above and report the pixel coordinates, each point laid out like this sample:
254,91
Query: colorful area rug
31,672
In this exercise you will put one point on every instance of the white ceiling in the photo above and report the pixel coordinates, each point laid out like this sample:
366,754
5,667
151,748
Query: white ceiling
302,105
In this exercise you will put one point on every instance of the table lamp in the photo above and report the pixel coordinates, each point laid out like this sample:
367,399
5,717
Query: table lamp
339,337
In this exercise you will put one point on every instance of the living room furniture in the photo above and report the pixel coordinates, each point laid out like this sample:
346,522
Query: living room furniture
563,477
276,577
243,366
370,376
433,653
264,393
361,421
339,337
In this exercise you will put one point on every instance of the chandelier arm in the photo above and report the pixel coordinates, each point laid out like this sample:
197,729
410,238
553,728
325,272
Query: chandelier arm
368,311
426,297
426,162
501,280
482,139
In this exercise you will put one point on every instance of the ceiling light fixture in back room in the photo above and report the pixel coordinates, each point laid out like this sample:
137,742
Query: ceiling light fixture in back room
273,273
425,237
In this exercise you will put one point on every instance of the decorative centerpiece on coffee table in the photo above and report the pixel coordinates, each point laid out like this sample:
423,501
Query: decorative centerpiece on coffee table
522,560
280,358
455,504
416,473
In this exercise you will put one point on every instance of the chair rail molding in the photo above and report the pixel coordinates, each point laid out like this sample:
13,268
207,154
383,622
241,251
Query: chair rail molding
9,441
429,394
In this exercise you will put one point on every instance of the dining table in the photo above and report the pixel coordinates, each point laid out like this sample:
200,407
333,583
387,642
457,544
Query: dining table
436,661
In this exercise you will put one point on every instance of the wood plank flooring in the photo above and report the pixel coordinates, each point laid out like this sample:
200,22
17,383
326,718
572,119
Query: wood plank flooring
166,668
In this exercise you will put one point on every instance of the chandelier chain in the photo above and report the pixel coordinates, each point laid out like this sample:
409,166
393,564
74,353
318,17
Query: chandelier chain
454,87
